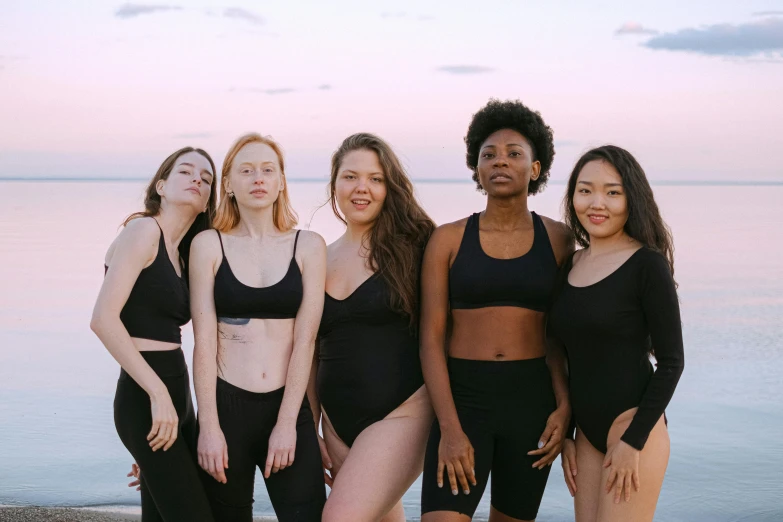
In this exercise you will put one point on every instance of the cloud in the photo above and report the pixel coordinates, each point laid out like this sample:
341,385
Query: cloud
768,13
634,28
464,69
273,92
325,87
129,10
243,14
724,39
193,135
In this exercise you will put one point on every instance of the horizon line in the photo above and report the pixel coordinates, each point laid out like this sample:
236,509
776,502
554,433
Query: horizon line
664,182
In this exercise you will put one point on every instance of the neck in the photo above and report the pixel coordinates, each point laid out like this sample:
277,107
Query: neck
605,245
507,213
355,233
175,223
257,223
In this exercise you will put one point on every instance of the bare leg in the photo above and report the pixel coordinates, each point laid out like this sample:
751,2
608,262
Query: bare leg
497,516
589,469
385,459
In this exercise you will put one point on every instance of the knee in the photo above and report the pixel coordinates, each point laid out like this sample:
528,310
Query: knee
336,511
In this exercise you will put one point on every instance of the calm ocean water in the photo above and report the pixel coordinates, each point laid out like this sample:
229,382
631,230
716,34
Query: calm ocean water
58,445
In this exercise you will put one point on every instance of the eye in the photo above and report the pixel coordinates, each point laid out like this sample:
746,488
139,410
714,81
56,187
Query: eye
183,171
515,153
348,176
378,179
206,181
615,193
583,191
487,155
269,170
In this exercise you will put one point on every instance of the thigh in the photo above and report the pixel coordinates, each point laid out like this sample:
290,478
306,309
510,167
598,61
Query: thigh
383,462
149,511
589,470
653,460
439,504
298,492
517,487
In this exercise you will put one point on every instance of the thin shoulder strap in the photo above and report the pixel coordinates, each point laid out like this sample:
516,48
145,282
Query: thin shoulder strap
296,240
221,242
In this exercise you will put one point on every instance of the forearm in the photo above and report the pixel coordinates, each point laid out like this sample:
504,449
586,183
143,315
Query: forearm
119,344
436,377
312,391
558,368
296,382
205,382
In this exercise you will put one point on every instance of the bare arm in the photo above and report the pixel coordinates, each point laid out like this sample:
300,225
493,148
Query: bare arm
312,389
136,247
282,442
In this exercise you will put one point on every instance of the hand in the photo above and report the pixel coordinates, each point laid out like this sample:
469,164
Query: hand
282,445
135,472
455,453
568,460
551,441
165,423
326,461
213,453
623,463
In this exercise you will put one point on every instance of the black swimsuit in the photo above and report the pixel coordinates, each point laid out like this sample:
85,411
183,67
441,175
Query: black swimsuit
369,359
608,329
248,418
503,406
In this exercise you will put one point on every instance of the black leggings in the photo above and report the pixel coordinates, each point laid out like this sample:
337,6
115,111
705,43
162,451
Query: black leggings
298,492
171,489
503,407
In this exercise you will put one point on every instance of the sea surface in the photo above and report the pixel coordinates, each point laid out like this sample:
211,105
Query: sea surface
58,445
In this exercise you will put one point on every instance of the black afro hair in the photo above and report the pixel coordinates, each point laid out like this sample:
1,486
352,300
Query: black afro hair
498,115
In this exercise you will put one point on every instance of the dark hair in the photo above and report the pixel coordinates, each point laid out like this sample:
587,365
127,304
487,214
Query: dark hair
401,231
498,115
152,200
645,223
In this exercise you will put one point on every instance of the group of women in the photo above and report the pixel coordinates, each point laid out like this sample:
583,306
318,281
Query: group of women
483,346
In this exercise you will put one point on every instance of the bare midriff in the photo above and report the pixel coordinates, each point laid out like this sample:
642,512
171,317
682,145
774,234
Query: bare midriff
497,333
253,354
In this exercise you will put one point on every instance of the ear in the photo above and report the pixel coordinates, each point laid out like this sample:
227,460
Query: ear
536,168
159,187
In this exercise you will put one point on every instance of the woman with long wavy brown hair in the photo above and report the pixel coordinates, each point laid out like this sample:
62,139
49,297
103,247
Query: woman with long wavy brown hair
142,304
367,379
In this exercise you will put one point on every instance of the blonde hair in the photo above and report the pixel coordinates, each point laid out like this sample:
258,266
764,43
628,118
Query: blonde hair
227,215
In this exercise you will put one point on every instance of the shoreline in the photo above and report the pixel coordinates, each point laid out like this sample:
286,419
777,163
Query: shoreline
79,514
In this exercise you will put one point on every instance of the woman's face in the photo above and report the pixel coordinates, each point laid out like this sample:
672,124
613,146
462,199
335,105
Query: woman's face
255,179
189,182
360,187
599,200
505,165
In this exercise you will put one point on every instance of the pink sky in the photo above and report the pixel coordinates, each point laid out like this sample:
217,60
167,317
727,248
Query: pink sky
108,89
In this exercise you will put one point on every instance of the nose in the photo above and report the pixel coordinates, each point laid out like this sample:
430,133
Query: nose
500,161
361,185
597,202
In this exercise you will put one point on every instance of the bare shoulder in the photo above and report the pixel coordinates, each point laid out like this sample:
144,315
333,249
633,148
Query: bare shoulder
449,234
310,242
140,237
561,237
206,244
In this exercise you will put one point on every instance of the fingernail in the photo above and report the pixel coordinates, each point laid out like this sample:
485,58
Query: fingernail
440,485
467,492
540,444
454,492
329,466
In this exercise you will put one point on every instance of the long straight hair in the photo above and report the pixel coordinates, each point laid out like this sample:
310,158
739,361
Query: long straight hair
397,239
152,200
645,223
228,211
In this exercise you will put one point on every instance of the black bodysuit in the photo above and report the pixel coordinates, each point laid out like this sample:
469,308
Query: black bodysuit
369,359
608,329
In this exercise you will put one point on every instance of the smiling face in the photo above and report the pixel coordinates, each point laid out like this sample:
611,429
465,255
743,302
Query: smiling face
255,178
506,165
599,200
360,187
189,182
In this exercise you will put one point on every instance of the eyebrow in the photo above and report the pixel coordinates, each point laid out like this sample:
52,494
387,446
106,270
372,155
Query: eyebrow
605,184
509,145
371,173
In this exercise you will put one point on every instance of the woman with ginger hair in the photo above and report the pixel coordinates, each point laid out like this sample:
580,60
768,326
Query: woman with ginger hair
367,376
257,295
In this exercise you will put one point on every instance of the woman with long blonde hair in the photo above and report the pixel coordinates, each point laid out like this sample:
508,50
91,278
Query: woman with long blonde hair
257,295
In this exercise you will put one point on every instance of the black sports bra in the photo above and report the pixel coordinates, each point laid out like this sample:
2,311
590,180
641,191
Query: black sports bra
278,301
159,302
477,280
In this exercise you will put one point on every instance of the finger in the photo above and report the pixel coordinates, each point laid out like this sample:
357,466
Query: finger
610,480
136,470
220,470
439,474
283,459
608,460
470,472
546,436
270,459
276,463
627,487
570,480
225,456
452,478
461,478
172,438
328,480
636,483
472,462
291,455
618,489
154,431
546,460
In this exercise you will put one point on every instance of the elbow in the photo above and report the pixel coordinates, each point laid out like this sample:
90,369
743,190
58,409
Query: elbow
96,324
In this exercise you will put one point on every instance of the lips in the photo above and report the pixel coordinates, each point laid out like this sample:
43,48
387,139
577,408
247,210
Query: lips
194,190
597,219
499,176
360,203
259,193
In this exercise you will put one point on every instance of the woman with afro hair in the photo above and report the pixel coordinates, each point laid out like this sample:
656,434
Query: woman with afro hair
500,395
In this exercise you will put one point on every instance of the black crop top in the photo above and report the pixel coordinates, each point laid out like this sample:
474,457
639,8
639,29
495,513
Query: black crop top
477,280
278,301
159,302
608,329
